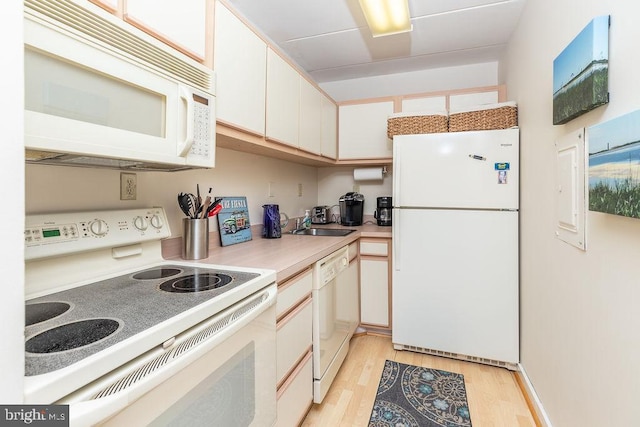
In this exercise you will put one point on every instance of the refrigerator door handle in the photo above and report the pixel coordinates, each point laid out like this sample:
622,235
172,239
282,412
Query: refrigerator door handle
395,246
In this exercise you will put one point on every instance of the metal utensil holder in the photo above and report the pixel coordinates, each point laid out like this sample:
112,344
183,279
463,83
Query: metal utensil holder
195,238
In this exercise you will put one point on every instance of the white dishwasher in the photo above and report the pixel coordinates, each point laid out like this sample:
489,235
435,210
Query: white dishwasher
335,317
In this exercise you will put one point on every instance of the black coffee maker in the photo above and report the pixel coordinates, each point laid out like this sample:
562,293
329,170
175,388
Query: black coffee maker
383,210
351,209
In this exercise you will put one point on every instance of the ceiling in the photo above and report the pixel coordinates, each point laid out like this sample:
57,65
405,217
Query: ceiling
330,39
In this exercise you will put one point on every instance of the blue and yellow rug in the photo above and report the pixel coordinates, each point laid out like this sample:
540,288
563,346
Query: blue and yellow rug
421,397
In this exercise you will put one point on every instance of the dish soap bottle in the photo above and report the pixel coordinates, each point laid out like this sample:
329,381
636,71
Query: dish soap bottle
306,221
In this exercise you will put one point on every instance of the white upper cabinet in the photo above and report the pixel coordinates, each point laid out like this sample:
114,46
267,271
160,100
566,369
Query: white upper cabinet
310,126
363,131
240,62
110,5
178,24
329,131
426,104
458,102
283,96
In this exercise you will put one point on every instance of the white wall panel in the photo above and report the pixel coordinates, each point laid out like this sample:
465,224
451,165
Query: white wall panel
577,307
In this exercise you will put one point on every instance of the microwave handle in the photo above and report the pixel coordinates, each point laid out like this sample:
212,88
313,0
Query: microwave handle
185,146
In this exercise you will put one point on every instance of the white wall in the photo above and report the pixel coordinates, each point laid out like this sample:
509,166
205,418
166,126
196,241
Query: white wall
579,310
60,188
432,80
12,224
336,181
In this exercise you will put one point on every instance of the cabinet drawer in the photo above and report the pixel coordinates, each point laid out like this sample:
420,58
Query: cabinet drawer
292,292
296,395
374,248
293,338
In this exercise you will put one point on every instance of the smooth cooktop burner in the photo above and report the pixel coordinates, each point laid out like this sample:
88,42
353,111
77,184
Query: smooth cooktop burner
36,313
196,282
156,273
71,335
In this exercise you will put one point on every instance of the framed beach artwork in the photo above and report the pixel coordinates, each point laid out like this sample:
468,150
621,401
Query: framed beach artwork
581,73
614,166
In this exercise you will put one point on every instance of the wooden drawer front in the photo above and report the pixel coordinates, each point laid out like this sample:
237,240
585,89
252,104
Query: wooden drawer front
374,248
292,292
296,396
293,338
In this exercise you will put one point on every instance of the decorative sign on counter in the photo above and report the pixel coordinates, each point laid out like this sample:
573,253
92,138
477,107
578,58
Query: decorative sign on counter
233,221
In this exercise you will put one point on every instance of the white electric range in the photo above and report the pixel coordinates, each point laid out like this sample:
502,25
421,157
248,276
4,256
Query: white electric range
109,321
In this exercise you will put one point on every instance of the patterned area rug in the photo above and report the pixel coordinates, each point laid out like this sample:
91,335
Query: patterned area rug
415,396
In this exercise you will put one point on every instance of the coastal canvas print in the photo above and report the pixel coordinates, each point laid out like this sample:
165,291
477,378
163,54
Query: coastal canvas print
581,73
614,166
233,221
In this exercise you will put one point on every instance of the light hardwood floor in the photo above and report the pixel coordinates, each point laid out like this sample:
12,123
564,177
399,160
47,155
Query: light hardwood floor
494,398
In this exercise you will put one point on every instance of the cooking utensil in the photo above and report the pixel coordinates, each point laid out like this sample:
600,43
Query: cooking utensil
204,208
199,199
215,210
183,202
213,206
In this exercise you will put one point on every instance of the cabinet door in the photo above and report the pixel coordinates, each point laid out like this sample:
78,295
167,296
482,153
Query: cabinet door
426,104
310,126
374,291
458,102
329,131
110,5
283,95
181,25
240,61
363,131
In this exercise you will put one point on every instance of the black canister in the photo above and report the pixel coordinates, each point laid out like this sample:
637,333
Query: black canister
383,211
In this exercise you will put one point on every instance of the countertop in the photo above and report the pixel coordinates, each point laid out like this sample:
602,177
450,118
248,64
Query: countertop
287,255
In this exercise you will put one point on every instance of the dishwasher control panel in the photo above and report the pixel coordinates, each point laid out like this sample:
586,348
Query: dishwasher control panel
330,266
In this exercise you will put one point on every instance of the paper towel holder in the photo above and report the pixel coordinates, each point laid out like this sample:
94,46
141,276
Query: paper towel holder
369,174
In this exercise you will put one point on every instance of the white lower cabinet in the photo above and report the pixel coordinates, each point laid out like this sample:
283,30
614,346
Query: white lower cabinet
375,282
295,396
294,349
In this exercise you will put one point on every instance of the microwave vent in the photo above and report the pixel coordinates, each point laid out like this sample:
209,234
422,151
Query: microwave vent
108,31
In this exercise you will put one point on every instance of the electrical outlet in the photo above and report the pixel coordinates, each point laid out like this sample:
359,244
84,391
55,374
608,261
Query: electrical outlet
128,186
270,189
300,189
356,188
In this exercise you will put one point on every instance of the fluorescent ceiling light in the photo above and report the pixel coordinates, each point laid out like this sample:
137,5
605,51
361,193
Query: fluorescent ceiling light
387,17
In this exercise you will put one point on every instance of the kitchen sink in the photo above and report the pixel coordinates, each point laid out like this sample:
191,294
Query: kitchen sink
323,232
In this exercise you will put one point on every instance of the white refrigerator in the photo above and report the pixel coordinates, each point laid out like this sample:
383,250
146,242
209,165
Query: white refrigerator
455,245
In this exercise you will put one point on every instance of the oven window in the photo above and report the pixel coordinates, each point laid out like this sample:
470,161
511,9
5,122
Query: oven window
224,398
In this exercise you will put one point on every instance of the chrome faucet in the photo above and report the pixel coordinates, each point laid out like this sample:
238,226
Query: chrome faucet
299,226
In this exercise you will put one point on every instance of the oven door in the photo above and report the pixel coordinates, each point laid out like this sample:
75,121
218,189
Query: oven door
232,384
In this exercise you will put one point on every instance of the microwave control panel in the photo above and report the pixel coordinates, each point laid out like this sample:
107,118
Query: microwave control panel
203,126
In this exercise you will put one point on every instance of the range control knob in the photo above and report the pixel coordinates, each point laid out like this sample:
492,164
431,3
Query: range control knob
140,223
99,227
156,221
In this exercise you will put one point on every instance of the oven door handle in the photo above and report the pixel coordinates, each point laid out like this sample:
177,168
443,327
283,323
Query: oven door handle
125,387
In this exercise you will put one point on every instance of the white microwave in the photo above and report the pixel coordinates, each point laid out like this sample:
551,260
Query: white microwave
101,93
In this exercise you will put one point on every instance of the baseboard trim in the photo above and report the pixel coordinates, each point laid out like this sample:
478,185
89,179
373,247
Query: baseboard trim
531,397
